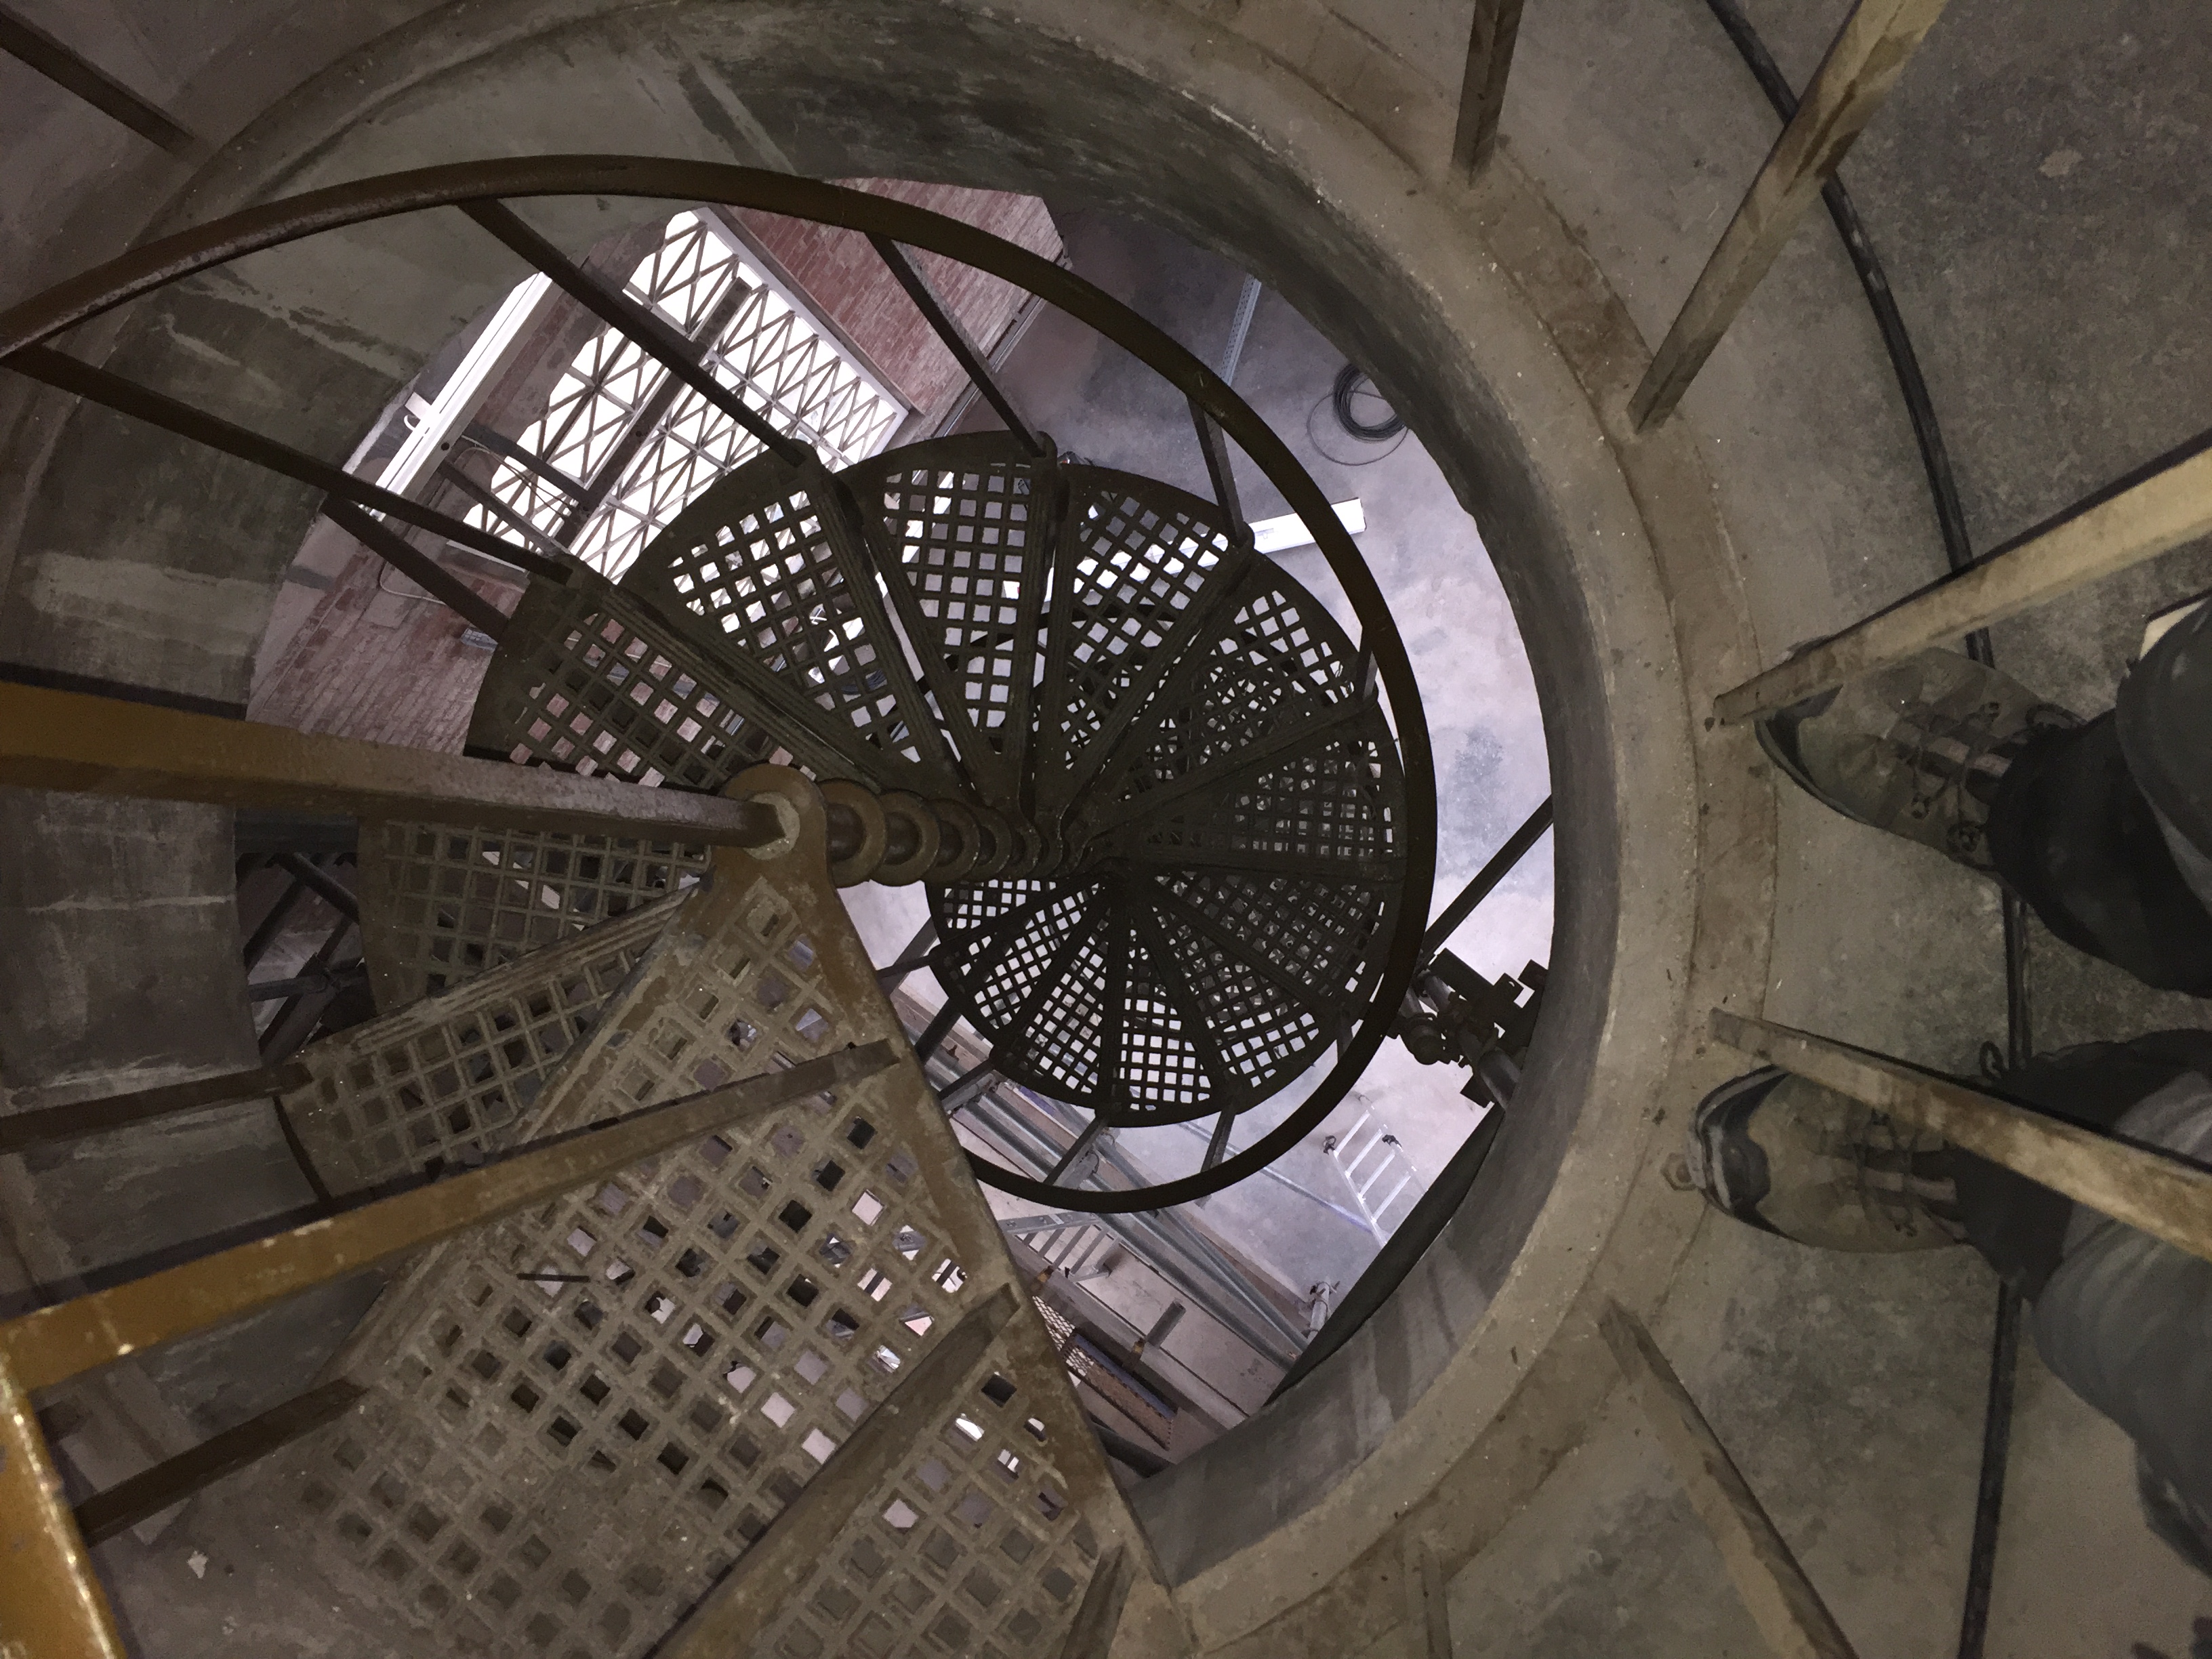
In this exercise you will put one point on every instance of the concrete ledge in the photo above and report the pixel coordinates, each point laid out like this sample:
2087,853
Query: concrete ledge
1496,338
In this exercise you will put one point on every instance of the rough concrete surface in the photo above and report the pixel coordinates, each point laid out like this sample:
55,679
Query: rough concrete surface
2033,187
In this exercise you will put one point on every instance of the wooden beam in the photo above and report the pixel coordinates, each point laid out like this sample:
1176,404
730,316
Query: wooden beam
122,1506
2172,507
73,741
2153,1192
1864,62
1781,1600
54,1344
21,1130
738,1608
1490,40
50,1602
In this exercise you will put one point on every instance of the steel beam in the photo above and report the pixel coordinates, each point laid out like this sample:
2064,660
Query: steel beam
50,1602
54,1344
947,329
660,340
104,746
968,1086
1864,62
737,1610
1781,1600
122,1506
325,885
2121,528
2165,1196
1490,40
80,379
21,1131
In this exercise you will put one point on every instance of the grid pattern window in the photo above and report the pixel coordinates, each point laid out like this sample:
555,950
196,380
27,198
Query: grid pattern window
639,445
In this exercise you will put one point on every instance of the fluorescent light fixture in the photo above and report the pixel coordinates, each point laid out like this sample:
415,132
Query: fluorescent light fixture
435,422
1279,534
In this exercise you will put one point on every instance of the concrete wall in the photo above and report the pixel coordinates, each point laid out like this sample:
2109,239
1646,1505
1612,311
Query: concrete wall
1508,323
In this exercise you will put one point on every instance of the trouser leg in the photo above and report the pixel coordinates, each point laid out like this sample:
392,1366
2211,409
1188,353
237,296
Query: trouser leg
2072,834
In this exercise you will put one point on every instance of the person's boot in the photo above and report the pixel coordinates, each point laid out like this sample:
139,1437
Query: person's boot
1915,748
1790,1156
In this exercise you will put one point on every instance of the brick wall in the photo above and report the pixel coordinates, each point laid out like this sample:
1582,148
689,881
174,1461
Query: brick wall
373,660
839,272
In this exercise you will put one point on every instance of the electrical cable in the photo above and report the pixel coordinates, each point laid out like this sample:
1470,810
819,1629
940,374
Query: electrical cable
1959,553
1341,394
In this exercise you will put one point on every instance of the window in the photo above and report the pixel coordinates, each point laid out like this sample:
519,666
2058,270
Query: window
638,445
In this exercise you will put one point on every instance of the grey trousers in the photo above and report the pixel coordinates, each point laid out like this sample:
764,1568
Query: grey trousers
2125,1320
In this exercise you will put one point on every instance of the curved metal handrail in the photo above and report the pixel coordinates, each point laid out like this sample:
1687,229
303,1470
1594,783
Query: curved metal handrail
143,270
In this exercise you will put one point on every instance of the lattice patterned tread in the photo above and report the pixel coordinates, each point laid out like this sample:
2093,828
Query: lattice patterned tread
963,531
1233,754
450,1078
768,570
590,680
440,905
546,1467
1140,569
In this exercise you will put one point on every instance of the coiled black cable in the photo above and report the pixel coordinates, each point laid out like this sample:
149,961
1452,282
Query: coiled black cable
1347,386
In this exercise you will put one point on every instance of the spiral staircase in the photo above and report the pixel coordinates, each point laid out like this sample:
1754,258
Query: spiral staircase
1144,774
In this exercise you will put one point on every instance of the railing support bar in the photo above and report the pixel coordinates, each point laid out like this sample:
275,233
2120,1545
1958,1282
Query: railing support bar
1871,50
948,329
104,1514
80,379
2153,1192
657,339
2119,529
71,740
1781,1600
54,1344
418,567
